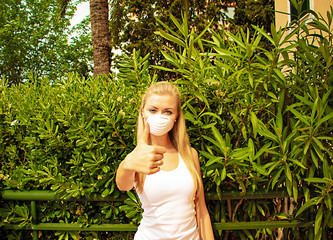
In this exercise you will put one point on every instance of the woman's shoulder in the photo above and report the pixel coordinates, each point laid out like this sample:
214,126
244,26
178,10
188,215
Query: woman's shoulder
195,158
194,152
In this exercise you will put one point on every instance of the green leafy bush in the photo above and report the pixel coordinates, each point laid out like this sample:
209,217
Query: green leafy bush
68,136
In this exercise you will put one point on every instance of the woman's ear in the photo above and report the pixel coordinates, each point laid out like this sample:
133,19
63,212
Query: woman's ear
143,117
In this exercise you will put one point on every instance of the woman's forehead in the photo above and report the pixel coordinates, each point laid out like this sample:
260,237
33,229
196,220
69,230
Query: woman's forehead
162,100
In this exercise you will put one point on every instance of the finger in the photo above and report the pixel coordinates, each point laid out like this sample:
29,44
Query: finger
159,163
153,158
145,135
154,170
159,150
156,164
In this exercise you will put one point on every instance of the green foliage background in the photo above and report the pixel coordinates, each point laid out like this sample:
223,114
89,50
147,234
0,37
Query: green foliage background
261,120
133,23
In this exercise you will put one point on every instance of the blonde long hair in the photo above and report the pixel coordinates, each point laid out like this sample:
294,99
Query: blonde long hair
178,135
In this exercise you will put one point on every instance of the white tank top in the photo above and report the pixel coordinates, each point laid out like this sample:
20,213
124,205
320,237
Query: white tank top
168,203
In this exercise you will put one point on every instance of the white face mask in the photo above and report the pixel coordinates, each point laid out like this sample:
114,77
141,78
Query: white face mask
159,124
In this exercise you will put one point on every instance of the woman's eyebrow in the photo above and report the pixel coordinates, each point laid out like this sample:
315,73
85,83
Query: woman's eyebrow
152,106
167,108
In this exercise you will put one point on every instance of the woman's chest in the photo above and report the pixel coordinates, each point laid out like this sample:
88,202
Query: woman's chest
169,185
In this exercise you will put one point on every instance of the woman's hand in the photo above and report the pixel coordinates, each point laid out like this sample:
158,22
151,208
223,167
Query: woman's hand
145,158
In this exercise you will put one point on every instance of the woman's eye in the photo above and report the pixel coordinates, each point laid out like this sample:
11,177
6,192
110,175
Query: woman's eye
152,110
168,112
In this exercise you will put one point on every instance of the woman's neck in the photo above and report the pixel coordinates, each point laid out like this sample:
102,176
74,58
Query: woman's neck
163,141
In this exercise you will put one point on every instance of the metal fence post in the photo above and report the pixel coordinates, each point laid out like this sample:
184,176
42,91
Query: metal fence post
34,219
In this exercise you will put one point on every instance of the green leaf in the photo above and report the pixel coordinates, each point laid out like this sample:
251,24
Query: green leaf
228,54
105,193
182,28
132,196
131,203
266,133
306,205
213,160
218,137
212,115
165,69
303,100
216,143
282,216
131,214
235,39
279,74
259,169
317,180
319,217
223,174
203,31
171,38
314,158
298,163
272,166
262,32
168,28
299,116
125,208
288,172
241,153
260,209
322,120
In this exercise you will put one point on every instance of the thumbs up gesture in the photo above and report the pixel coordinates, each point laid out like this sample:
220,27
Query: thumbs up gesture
145,158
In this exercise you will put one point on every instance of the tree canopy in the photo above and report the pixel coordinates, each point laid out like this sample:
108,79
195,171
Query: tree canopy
134,22
253,12
35,42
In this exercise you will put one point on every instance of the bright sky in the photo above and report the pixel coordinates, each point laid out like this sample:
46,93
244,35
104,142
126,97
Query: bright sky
81,12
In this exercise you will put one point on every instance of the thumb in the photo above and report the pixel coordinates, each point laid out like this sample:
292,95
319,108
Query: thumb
145,135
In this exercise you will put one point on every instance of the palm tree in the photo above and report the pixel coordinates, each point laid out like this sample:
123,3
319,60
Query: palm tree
99,18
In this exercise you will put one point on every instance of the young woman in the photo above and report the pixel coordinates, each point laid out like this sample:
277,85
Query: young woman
165,171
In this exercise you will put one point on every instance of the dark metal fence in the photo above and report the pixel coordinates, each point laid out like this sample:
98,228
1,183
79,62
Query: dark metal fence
36,196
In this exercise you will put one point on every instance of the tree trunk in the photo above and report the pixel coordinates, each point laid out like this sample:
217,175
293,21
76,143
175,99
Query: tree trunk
99,14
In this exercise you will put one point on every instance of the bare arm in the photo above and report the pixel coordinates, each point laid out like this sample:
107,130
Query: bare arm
125,176
204,222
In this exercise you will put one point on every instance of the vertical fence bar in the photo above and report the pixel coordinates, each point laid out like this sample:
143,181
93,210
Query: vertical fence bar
34,219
